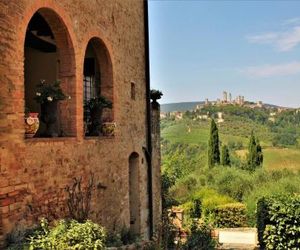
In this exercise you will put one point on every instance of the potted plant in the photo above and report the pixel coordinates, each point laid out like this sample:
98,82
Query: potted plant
32,123
154,96
48,95
95,107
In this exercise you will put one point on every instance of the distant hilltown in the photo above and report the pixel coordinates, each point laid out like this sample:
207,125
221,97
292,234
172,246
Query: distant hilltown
227,99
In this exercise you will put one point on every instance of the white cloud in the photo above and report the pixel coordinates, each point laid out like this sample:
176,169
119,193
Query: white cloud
282,40
269,70
292,21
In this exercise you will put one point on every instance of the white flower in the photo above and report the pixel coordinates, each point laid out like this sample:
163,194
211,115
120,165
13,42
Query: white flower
38,93
49,98
69,97
43,81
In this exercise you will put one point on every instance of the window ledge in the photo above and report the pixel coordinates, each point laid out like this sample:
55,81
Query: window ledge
50,139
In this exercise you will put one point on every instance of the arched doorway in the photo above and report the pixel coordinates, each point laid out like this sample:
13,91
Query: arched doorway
49,56
134,193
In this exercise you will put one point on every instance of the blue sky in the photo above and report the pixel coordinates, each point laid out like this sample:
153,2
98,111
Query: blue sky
200,48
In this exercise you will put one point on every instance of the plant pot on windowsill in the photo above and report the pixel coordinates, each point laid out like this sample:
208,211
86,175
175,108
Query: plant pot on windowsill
32,124
49,95
108,128
95,107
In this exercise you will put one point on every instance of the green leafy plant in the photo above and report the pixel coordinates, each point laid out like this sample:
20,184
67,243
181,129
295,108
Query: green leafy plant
200,237
278,222
230,215
155,94
49,92
98,102
68,235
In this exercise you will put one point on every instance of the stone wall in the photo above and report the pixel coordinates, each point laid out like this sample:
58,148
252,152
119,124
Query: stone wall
34,172
156,163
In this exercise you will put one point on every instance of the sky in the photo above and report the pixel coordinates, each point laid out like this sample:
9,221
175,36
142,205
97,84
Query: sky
198,49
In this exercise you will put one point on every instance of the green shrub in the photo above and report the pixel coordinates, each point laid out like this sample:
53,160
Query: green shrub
200,237
210,199
230,215
68,235
278,222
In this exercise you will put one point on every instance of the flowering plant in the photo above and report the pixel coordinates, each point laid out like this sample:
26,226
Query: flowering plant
48,92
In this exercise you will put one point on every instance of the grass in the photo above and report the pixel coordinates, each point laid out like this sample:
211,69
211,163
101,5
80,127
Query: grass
278,158
197,133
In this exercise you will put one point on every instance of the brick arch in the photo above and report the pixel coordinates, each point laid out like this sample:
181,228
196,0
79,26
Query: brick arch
66,62
106,69
134,192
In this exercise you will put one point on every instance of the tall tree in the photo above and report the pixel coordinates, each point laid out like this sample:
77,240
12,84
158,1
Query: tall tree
213,145
255,155
225,157
259,156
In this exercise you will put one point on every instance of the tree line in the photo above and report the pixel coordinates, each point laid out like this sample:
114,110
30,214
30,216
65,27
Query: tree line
215,157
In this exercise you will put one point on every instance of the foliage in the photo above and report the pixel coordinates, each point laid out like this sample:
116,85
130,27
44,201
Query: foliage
155,94
196,210
200,237
230,215
213,145
68,235
278,219
99,102
225,157
48,92
209,200
79,199
255,155
168,231
285,138
233,182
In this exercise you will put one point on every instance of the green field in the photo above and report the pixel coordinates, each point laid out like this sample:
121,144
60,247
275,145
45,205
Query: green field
197,133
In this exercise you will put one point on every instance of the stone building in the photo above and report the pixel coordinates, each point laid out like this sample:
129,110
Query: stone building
93,47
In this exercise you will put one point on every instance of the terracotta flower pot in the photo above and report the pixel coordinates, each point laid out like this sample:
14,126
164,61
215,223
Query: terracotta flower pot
108,128
32,124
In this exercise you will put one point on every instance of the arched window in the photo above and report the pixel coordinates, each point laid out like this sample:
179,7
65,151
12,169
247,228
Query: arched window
49,60
97,84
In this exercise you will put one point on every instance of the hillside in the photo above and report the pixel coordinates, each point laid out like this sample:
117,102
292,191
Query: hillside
179,106
184,157
184,106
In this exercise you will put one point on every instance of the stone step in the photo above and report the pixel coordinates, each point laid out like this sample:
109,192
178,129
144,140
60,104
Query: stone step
237,247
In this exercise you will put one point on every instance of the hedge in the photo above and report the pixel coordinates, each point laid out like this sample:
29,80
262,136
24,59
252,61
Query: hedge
278,222
230,215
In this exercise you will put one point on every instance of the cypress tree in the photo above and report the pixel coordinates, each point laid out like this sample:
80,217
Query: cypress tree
213,145
225,157
259,156
255,155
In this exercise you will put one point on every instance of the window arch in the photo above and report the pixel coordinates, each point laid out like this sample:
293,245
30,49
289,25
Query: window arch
49,55
97,82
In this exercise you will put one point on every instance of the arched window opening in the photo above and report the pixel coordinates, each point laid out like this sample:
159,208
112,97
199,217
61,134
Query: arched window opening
49,68
134,194
97,88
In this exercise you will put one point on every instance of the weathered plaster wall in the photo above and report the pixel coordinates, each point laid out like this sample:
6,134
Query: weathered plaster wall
34,172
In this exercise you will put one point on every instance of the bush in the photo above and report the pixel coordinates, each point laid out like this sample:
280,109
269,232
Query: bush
68,235
200,238
278,222
210,199
230,215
